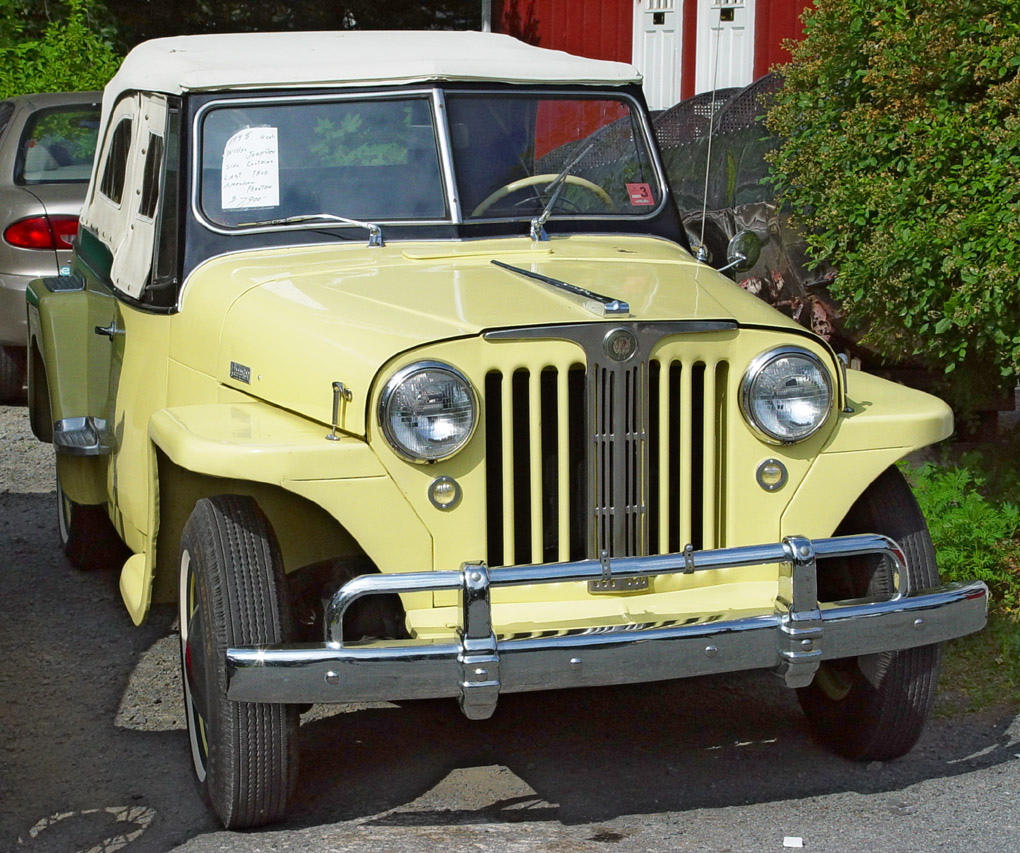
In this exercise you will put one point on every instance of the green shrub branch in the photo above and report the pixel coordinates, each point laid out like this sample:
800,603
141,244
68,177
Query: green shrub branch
900,123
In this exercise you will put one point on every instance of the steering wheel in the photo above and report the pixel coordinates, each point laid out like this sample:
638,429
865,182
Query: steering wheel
534,180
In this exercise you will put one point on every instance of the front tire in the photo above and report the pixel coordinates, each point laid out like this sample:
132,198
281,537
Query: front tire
232,594
87,535
873,707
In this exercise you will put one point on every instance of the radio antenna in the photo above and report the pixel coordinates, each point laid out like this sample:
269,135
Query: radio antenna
702,251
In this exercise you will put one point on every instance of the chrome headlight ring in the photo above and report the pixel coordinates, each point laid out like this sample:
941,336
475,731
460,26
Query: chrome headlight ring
786,395
427,411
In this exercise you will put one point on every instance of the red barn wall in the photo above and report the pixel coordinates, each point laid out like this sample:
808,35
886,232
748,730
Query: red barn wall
775,22
597,30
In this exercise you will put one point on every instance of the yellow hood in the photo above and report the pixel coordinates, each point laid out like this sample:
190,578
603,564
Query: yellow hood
296,320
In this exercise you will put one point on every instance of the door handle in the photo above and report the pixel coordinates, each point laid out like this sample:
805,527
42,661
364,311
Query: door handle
110,331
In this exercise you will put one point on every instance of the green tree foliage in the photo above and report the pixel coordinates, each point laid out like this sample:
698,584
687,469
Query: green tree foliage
900,122
138,20
68,53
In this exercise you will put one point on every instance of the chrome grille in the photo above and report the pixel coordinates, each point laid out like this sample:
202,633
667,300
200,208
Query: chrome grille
586,457
617,464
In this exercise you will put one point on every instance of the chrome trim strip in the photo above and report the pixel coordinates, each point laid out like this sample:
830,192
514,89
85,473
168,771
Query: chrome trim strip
446,155
590,337
792,639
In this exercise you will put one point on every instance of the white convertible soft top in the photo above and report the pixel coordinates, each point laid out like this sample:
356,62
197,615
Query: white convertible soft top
356,58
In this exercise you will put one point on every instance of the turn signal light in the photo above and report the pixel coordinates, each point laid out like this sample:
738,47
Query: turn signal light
42,232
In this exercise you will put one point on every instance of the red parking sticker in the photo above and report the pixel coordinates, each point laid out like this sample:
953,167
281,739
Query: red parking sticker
640,194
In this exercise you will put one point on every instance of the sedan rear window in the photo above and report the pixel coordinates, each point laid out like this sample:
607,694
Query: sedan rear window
58,146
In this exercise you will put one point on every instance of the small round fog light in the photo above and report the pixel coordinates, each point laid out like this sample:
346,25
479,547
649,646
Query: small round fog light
771,475
444,492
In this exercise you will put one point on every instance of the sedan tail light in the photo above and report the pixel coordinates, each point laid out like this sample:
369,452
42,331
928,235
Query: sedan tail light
42,232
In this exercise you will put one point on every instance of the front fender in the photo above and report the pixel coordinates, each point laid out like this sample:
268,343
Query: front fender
256,443
884,422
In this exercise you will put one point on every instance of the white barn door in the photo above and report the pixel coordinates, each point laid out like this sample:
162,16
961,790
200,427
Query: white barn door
725,42
656,50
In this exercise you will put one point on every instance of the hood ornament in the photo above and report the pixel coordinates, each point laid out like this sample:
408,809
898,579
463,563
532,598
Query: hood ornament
602,306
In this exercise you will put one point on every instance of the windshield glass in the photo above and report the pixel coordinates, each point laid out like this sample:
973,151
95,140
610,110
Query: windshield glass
369,159
513,152
324,161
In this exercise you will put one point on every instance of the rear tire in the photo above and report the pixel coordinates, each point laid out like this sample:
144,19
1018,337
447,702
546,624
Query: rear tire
232,594
12,375
873,707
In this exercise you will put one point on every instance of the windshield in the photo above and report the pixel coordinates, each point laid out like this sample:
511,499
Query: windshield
364,159
324,161
514,151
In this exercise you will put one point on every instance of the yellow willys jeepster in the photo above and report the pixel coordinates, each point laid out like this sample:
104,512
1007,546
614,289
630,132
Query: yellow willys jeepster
387,356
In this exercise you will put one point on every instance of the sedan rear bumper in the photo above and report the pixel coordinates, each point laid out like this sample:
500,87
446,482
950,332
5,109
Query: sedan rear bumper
792,639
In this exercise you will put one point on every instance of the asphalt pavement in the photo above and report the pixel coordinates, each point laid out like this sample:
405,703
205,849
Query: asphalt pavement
94,756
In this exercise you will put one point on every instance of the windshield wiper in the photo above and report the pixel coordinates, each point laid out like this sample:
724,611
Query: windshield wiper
556,184
375,238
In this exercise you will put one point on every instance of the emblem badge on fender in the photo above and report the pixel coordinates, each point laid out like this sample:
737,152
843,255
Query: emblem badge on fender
240,373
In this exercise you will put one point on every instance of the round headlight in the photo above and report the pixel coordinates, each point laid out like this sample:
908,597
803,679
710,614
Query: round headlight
786,394
427,411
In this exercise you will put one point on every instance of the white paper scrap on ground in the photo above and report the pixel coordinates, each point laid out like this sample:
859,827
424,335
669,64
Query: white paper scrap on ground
250,174
793,841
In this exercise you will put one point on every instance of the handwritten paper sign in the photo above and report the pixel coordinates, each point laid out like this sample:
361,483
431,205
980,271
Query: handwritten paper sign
251,169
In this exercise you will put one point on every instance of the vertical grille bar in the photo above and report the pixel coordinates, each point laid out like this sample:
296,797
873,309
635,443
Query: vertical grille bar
685,458
709,462
662,436
535,463
563,466
506,404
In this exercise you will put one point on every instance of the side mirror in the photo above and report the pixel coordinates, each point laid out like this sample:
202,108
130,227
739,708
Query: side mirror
742,252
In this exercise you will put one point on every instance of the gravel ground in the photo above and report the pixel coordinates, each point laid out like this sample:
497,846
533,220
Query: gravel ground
93,754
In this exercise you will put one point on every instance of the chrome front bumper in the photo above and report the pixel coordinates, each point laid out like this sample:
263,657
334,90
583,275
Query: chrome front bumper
793,638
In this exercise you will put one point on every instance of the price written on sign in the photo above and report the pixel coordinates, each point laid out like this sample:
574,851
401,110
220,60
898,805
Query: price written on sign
251,169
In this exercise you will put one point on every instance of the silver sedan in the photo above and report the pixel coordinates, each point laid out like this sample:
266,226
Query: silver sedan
47,144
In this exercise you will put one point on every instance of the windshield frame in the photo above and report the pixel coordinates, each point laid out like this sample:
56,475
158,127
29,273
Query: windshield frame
435,94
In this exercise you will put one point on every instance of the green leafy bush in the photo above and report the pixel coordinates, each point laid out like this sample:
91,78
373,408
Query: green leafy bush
70,55
900,122
975,536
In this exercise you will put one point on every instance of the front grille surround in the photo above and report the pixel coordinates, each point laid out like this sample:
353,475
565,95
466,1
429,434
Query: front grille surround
586,456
